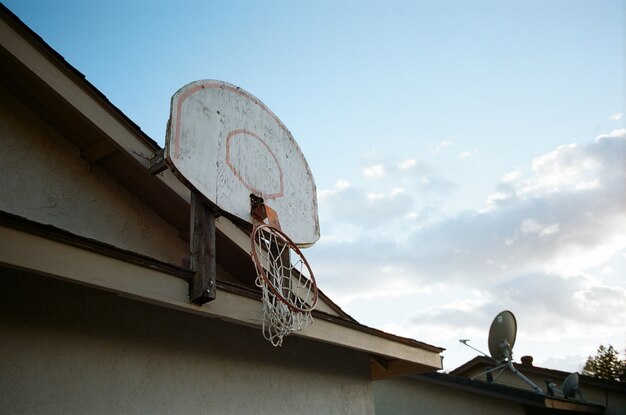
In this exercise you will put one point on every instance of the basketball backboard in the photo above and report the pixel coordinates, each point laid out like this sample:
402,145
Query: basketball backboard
226,144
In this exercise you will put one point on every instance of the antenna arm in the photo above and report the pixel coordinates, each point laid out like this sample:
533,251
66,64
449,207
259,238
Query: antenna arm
525,379
472,347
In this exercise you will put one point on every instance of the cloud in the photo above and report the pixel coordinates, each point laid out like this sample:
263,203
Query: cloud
464,155
404,196
569,168
325,194
342,184
569,202
616,116
547,308
565,305
440,146
376,170
407,164
472,311
511,176
540,247
529,226
368,208
619,133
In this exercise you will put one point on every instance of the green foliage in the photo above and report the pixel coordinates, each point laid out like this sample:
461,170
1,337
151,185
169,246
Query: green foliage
606,364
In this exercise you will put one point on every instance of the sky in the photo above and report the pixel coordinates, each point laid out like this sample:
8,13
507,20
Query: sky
469,156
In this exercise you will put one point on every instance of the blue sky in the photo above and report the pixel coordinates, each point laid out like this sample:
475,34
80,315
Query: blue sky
469,155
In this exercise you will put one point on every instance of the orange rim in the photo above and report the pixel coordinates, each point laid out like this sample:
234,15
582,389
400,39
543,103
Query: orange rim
261,271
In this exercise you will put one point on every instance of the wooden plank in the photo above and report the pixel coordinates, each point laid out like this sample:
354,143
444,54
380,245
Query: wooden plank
157,163
60,235
203,256
357,339
154,286
97,151
395,367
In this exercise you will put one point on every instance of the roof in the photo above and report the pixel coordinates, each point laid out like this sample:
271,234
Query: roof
512,394
480,362
106,137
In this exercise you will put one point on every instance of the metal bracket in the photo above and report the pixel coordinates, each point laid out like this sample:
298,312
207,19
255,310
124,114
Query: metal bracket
157,163
260,211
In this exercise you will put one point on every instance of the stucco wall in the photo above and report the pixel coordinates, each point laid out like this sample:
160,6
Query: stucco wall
404,396
69,349
43,178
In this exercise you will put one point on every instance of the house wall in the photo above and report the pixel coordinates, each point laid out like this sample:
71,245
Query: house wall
70,349
43,178
615,402
404,396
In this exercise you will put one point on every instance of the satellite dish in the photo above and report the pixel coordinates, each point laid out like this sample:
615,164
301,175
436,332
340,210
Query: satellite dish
502,334
570,385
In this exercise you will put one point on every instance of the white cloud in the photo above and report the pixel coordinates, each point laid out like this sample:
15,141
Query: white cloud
464,155
376,196
411,215
529,226
619,133
407,164
324,194
440,146
511,177
572,260
342,184
541,249
592,184
371,196
376,170
568,168
495,198
607,270
616,116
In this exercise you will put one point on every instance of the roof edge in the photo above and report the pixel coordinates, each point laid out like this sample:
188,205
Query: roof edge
39,43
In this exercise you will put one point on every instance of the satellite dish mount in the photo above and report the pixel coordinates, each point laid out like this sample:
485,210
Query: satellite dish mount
502,335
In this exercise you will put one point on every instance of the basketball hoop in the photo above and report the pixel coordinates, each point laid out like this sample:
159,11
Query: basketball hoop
233,152
289,291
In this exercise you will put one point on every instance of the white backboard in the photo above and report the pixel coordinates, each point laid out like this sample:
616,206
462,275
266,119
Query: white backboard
227,144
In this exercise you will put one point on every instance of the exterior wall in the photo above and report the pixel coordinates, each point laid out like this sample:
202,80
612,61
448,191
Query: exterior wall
69,349
402,396
43,179
615,402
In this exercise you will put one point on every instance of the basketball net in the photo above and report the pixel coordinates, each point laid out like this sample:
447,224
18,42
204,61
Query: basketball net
289,291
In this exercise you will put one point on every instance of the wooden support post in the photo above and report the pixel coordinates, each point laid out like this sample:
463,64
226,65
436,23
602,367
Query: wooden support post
203,255
157,163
